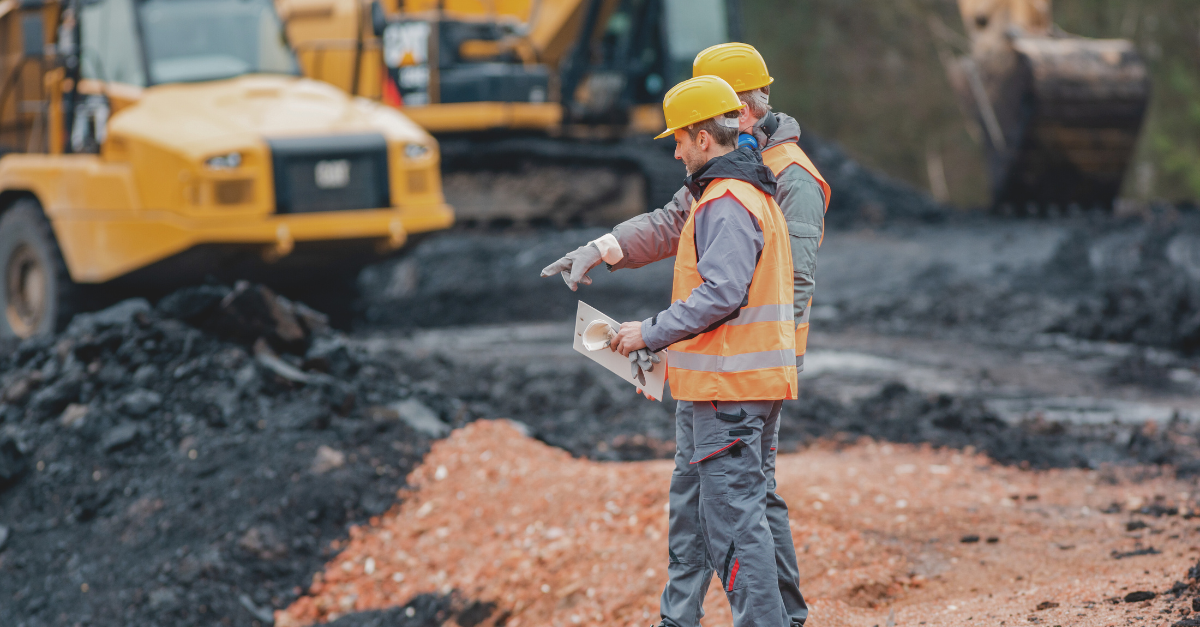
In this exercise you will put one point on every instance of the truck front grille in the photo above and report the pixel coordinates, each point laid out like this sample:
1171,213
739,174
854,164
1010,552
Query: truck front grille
340,173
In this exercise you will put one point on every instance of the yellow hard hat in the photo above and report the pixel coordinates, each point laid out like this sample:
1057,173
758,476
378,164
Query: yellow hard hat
739,64
696,100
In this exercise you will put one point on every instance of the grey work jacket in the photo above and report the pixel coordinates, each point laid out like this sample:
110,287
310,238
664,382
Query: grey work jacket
654,236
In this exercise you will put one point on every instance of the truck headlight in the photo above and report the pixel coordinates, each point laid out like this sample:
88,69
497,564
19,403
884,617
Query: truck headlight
415,151
224,162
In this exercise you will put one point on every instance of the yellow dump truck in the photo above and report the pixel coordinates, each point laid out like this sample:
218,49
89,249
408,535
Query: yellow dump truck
544,108
145,144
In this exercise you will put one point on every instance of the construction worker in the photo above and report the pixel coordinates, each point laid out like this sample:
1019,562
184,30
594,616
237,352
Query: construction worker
732,343
803,196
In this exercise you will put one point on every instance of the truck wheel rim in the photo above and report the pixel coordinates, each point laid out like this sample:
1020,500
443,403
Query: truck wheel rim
25,291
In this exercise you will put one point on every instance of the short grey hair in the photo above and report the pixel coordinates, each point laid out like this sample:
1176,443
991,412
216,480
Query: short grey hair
758,100
724,131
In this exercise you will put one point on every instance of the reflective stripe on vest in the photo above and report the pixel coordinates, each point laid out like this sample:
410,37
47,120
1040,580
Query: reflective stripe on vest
752,356
731,363
765,313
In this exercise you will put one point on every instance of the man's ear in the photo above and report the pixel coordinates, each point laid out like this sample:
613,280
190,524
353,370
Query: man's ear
702,140
743,116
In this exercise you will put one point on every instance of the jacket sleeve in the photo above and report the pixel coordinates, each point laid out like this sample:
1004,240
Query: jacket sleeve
728,244
802,201
653,236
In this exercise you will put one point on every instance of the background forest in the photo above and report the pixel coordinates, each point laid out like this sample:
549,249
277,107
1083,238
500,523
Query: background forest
867,73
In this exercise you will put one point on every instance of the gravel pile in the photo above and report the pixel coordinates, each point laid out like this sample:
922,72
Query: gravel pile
189,464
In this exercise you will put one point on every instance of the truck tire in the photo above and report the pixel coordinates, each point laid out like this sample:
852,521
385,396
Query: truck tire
37,296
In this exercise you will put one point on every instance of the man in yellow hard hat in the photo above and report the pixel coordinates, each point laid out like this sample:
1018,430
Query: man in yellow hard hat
803,196
731,362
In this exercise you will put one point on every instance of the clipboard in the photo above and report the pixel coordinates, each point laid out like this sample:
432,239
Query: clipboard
612,360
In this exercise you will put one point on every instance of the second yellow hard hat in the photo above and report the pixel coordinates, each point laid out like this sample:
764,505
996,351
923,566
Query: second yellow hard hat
696,100
739,64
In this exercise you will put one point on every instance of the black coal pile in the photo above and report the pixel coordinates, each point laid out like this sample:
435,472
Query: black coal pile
899,414
188,464
603,419
1133,281
588,412
1145,284
862,196
426,610
473,278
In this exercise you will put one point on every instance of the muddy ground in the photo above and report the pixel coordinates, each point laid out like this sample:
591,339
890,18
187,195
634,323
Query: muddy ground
198,460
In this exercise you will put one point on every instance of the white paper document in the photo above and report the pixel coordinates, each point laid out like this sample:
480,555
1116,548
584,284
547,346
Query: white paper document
655,380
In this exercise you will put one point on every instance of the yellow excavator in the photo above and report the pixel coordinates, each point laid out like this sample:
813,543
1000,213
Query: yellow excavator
544,109
145,144
1059,114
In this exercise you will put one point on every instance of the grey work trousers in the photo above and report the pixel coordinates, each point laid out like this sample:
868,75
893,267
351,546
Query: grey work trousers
725,513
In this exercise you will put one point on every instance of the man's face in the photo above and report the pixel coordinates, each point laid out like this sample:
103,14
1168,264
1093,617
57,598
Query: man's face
689,150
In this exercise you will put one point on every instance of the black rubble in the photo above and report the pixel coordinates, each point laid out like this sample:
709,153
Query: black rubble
153,473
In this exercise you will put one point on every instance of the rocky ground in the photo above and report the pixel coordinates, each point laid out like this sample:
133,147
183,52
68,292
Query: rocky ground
510,531
189,464
197,460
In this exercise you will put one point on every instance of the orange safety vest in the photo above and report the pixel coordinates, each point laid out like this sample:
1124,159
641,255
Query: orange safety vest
753,356
778,158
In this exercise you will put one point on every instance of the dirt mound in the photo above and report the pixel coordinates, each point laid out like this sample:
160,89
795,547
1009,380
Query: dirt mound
538,538
188,464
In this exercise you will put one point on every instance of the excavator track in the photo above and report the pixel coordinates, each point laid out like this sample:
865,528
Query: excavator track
534,180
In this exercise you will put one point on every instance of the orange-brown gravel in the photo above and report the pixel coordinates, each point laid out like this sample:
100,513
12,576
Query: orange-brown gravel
554,540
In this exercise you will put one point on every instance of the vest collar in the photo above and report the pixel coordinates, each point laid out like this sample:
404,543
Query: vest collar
769,124
743,164
783,129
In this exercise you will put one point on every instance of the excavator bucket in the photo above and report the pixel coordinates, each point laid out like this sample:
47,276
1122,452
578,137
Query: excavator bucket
1061,117
1060,114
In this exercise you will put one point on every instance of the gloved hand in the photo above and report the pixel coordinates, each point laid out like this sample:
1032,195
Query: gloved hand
575,266
640,362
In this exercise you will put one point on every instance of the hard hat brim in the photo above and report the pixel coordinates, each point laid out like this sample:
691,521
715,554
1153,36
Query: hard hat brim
671,131
770,79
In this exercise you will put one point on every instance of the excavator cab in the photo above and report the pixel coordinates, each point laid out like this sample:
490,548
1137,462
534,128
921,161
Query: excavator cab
544,108
621,55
